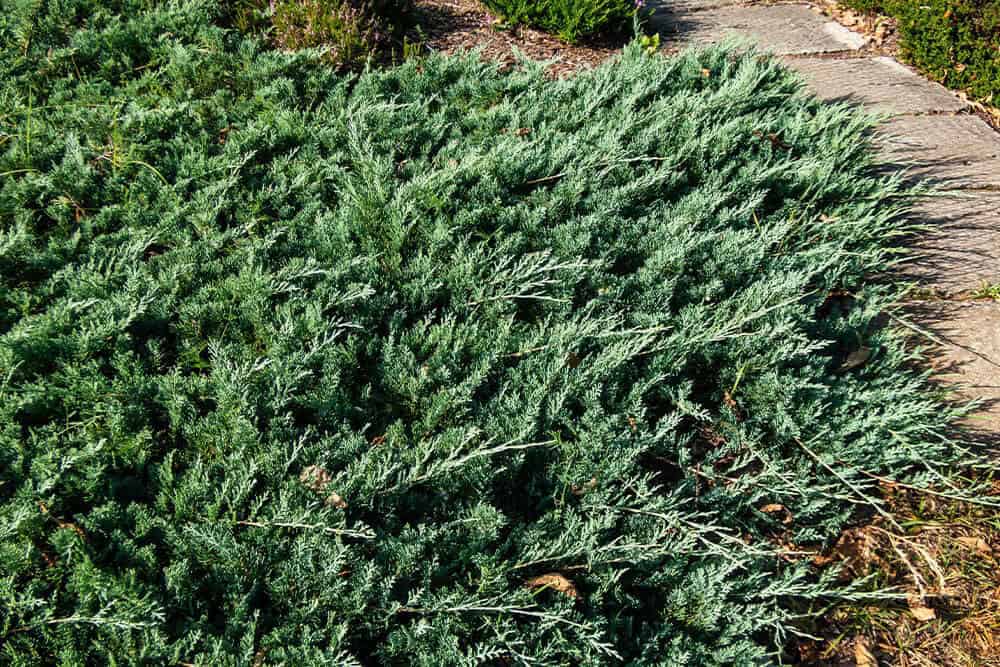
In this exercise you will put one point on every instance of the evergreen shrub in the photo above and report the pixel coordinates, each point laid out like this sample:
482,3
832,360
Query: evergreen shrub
956,42
350,31
569,19
435,365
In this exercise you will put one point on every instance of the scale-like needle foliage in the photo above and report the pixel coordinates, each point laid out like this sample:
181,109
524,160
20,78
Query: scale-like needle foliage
435,365
570,19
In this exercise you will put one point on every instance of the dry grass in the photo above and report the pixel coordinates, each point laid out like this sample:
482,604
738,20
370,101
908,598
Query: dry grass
944,568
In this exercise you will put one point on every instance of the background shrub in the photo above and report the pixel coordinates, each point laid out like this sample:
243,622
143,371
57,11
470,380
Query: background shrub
247,16
954,41
569,19
350,30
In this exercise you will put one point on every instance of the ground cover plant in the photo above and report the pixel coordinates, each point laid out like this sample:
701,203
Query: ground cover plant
955,41
569,19
441,364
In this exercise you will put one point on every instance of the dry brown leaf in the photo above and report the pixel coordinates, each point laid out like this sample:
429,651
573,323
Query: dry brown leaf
315,477
863,657
975,543
334,500
555,581
774,508
918,609
730,401
822,560
318,479
856,548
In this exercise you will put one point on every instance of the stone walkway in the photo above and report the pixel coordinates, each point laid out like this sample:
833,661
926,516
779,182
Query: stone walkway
931,131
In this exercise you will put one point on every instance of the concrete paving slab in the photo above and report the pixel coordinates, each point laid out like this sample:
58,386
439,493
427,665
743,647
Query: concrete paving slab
949,151
960,249
966,353
781,29
881,84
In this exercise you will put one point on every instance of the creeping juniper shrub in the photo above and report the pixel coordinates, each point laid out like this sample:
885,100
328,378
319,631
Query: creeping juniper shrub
571,20
434,365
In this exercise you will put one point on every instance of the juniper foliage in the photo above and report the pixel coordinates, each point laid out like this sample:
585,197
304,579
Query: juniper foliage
299,368
571,20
